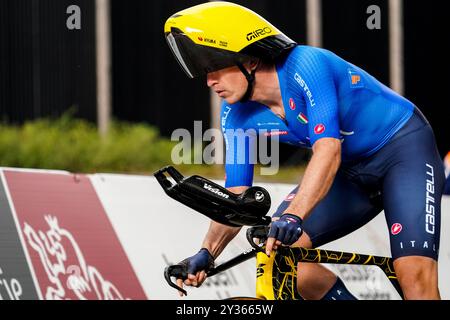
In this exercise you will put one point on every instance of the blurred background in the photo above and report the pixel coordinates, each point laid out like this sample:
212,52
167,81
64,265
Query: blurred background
108,95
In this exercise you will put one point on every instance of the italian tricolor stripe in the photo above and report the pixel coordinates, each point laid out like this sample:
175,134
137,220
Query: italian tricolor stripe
302,118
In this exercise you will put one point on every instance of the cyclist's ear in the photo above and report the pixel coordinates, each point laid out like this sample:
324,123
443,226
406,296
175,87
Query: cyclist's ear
252,64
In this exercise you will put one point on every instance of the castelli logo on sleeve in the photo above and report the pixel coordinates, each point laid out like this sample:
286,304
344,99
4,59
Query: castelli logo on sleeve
396,228
319,129
291,104
200,38
290,197
430,200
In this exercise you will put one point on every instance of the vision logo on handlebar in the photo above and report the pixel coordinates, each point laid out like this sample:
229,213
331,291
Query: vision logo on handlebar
216,191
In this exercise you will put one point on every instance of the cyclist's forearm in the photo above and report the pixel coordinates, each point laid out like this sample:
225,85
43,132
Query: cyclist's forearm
218,237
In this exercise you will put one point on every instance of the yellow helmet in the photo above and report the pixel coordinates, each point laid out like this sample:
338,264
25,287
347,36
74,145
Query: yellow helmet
216,35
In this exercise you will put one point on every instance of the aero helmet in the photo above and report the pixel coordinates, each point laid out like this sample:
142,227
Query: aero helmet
216,35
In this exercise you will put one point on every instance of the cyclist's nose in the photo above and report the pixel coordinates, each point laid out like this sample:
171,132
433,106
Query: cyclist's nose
211,80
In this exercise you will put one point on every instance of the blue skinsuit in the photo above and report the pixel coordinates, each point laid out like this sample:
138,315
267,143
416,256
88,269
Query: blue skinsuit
389,155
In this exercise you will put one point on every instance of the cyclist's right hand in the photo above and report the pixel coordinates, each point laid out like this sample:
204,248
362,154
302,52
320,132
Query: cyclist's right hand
197,266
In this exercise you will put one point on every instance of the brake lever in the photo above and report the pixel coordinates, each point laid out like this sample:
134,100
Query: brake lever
179,272
259,232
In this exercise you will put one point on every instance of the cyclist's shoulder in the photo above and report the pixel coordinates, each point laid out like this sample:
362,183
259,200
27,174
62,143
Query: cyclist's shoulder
304,55
307,62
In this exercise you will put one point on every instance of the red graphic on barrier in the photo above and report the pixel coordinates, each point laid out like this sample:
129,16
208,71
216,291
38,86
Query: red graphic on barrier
73,247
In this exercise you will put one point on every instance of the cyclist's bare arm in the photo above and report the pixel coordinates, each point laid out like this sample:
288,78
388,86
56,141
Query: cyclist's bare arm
316,182
318,177
220,235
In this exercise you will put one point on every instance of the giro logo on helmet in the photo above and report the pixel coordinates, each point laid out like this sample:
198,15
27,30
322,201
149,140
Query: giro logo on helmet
258,33
190,34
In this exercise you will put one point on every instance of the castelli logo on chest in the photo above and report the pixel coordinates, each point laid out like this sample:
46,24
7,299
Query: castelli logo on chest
291,104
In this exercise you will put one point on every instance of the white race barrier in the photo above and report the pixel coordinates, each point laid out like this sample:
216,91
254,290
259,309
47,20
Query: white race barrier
156,229
107,236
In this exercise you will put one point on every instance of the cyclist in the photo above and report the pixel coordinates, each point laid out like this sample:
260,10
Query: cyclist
372,149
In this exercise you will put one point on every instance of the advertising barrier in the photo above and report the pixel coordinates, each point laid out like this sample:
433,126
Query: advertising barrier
110,236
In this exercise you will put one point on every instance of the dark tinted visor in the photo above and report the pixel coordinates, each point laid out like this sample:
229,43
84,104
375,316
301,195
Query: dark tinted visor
197,60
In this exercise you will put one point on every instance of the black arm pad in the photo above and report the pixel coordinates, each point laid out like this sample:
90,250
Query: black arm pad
216,202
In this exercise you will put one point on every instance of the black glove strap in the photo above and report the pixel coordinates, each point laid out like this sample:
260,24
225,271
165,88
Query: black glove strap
210,258
292,216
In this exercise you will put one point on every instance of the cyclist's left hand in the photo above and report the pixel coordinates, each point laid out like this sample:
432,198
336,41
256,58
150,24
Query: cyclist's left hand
286,230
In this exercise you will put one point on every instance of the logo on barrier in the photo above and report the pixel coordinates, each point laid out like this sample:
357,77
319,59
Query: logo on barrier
12,287
65,265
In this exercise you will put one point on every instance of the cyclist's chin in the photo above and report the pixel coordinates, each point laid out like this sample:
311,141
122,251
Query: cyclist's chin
232,98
